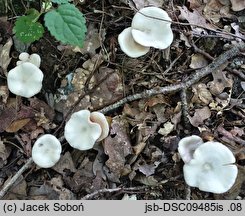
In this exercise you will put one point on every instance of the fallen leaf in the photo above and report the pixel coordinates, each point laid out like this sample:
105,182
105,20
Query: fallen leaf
199,116
4,55
220,81
167,129
149,181
17,125
148,169
201,94
4,154
198,61
4,93
117,146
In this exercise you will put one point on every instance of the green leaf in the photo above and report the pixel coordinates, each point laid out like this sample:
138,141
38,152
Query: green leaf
26,30
33,14
66,24
61,1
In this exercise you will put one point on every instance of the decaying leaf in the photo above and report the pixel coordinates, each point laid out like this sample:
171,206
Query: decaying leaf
199,116
167,129
150,180
4,94
198,61
193,17
65,164
201,94
117,146
17,125
4,154
4,55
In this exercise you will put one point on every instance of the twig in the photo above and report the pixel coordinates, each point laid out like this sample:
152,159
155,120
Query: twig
106,190
15,178
180,86
185,113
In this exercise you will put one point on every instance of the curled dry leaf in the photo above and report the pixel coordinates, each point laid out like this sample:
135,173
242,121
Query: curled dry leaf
198,61
4,55
201,94
199,116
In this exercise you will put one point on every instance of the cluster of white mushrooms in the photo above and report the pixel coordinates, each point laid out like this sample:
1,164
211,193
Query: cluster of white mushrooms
83,129
150,27
208,166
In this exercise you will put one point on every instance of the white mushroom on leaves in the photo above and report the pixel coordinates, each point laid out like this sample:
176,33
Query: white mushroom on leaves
129,46
25,80
83,129
187,146
151,27
46,151
211,167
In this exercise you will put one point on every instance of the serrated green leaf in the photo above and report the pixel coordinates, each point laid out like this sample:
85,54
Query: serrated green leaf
66,24
61,1
26,30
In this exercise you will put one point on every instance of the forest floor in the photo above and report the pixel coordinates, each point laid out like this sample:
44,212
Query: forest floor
163,96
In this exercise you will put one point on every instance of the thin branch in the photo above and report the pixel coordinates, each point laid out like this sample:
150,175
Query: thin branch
15,178
180,86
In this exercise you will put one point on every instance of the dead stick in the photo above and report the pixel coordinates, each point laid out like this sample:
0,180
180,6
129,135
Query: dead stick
15,178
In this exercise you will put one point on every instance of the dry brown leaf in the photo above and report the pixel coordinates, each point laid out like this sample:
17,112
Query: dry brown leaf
149,181
220,82
199,116
198,61
17,125
148,169
65,164
4,154
4,55
201,94
167,129
117,146
4,93
194,18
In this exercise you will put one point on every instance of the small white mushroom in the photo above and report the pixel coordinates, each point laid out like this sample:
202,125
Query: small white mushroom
46,151
33,58
129,46
100,119
25,80
212,168
187,146
149,29
80,132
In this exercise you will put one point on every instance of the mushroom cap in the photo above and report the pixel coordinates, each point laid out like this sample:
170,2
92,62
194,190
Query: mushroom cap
212,168
25,80
100,119
152,32
187,147
46,151
80,132
33,58
129,46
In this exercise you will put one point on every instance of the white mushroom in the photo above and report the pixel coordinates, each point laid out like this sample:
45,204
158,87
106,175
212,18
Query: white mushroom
212,168
25,80
46,151
129,46
33,58
187,146
80,132
149,29
100,119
